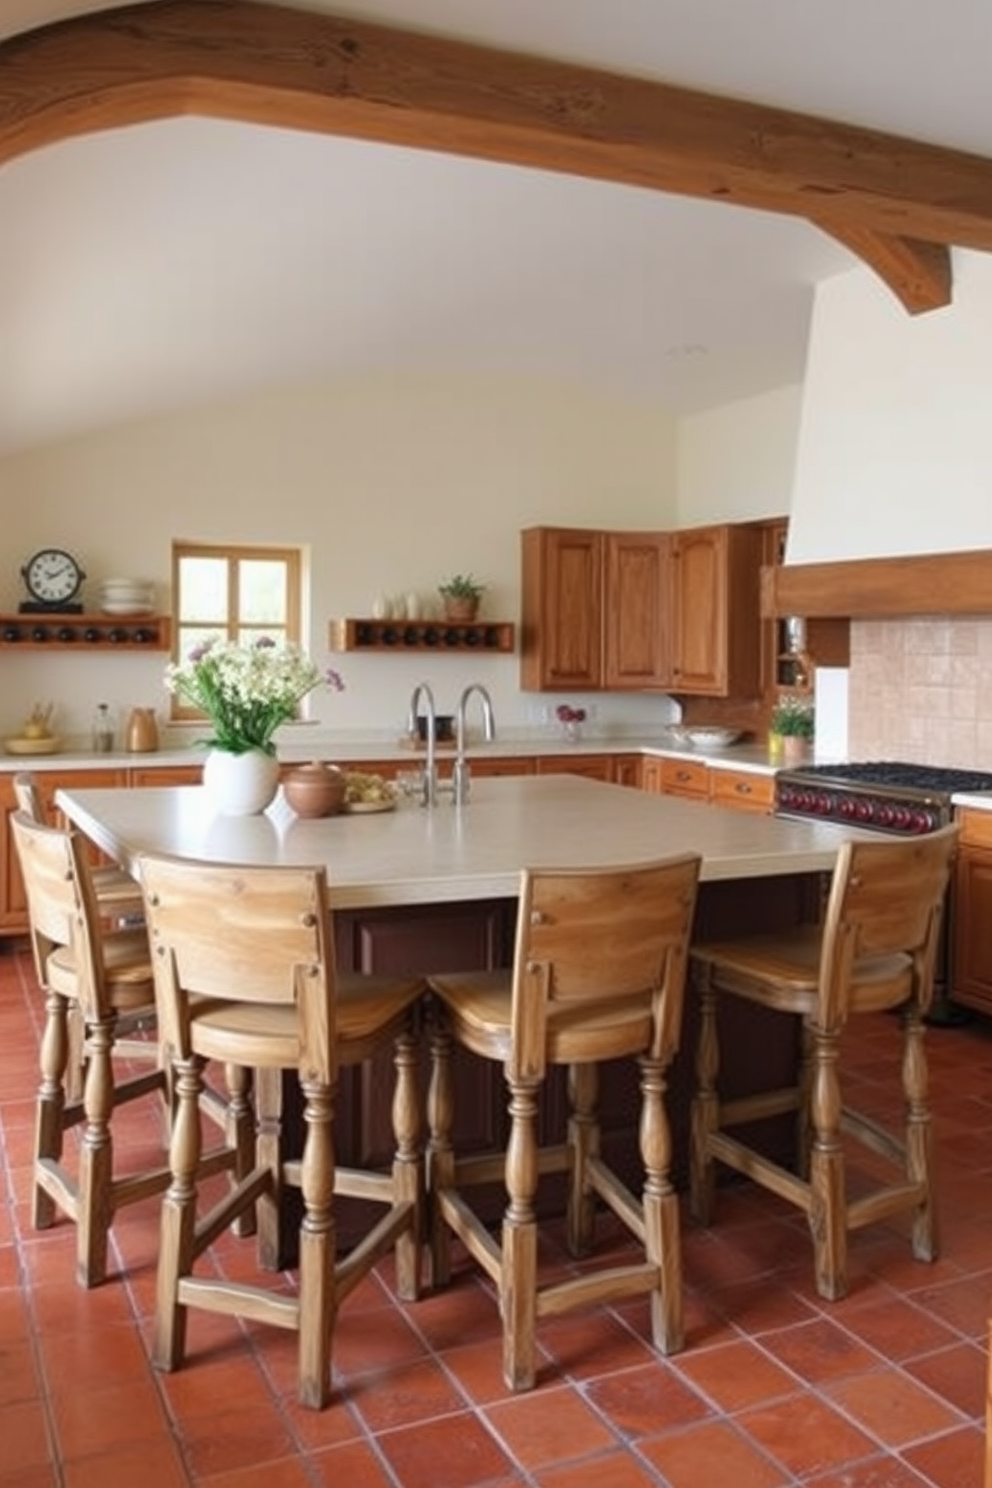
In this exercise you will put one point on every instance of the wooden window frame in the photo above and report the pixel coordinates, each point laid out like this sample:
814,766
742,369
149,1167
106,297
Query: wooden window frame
233,554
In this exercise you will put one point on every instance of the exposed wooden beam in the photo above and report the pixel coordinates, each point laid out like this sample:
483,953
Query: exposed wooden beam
919,274
267,64
924,584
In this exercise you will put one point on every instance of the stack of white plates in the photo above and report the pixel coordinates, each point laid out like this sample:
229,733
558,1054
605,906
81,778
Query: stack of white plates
127,597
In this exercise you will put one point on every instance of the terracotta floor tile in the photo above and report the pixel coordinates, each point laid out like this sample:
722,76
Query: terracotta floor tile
875,1472
957,1374
899,1329
709,1453
640,1402
457,1451
24,1434
956,1460
551,1426
734,1375
19,1378
150,1464
288,1473
416,1391
231,1439
805,1434
353,1465
615,1470
89,1421
893,1408
590,1343
820,1350
966,1304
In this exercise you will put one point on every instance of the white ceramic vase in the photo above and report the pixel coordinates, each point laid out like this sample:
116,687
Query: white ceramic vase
240,784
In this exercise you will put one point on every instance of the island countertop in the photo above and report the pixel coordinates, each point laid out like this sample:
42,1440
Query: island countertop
412,855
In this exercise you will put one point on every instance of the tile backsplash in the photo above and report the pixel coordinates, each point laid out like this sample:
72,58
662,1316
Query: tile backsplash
921,690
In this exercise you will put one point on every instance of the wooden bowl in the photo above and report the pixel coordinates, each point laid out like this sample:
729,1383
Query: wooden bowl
316,789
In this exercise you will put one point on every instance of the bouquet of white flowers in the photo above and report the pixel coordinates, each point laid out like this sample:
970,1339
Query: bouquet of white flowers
246,691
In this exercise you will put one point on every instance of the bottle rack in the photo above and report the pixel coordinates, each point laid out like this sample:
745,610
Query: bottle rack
438,636
52,632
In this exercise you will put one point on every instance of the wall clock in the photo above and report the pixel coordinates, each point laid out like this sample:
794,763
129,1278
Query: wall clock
53,579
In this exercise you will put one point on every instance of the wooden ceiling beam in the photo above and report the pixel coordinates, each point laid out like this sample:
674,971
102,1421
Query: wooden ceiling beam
919,274
897,202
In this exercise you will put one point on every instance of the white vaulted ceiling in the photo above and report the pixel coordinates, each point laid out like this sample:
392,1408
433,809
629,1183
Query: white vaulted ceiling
174,263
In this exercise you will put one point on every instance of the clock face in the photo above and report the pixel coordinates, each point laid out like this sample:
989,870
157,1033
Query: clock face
52,576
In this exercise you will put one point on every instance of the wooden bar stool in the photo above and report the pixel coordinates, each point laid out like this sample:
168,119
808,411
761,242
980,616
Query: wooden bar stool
101,974
244,970
875,950
599,973
118,899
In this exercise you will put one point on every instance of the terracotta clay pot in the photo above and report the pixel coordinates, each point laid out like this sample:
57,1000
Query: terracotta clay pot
316,789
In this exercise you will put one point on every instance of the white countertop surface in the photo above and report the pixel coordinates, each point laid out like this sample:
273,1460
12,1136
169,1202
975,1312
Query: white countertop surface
414,856
300,749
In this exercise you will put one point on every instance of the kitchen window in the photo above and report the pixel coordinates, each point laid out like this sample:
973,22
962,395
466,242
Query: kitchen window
222,592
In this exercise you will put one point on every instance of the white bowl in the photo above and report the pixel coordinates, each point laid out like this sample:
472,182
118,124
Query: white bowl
711,736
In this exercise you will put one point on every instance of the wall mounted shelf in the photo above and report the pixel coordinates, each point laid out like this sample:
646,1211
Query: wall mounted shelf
54,632
420,635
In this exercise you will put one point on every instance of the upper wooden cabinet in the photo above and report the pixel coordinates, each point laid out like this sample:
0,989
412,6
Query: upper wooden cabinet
716,633
561,631
594,610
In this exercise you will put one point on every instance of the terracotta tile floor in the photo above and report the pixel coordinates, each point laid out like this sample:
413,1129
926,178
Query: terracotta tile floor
883,1390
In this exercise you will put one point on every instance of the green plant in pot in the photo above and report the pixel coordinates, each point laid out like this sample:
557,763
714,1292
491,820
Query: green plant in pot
461,595
792,727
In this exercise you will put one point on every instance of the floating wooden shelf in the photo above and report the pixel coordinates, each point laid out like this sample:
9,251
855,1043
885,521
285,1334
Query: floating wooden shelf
53,632
420,635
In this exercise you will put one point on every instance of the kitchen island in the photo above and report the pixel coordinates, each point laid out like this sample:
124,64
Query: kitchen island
435,890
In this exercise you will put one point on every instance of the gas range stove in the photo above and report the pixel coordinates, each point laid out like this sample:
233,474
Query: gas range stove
887,795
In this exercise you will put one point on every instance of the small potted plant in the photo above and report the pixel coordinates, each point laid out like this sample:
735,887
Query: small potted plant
461,595
791,728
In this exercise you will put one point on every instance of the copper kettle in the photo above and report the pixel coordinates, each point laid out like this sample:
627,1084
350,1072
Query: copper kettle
141,731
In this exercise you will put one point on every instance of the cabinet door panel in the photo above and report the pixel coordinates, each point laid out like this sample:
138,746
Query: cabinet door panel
562,606
637,610
972,914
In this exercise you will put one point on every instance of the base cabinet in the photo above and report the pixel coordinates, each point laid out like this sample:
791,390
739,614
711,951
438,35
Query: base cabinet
971,927
13,903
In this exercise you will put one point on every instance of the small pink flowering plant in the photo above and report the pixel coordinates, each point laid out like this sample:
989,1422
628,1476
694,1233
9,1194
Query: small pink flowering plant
246,691
565,713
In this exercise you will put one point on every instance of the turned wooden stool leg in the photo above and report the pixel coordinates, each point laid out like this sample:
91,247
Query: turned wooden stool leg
318,1290
408,1178
96,1158
440,1153
239,1133
804,1083
518,1287
583,1140
75,1070
268,1154
919,1137
827,1216
50,1103
178,1223
706,1102
662,1241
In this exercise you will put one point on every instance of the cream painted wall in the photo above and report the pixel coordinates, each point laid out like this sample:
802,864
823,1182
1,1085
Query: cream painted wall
736,463
895,440
390,485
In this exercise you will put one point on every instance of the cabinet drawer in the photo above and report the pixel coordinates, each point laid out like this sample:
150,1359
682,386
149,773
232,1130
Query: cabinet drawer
685,778
976,828
742,790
